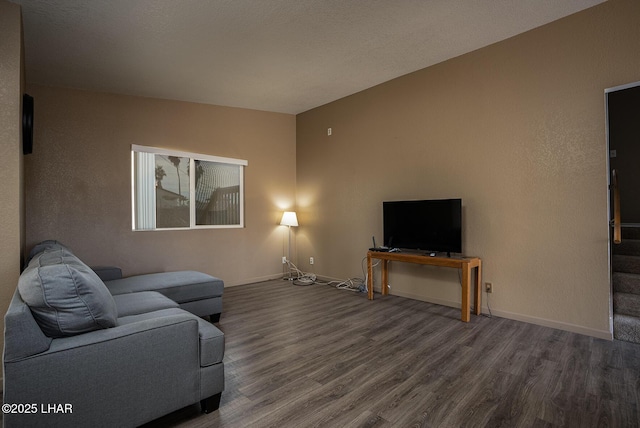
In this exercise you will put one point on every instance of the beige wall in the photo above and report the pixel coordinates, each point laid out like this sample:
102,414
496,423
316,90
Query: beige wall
517,130
78,181
11,214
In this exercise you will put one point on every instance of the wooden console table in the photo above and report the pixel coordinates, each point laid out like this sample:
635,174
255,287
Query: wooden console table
466,264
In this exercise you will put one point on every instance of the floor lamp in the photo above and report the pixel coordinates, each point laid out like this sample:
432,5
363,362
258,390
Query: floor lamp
289,219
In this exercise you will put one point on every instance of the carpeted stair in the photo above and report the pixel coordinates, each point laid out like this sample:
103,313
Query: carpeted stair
626,287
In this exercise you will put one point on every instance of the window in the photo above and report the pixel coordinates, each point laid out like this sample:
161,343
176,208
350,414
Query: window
177,190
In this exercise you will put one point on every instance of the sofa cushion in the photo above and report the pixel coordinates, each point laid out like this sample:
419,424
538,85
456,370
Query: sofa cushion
179,286
141,303
65,296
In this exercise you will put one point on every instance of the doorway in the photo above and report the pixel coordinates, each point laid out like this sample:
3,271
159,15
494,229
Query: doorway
623,138
623,142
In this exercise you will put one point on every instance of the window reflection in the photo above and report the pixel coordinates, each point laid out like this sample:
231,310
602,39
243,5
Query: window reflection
172,191
217,193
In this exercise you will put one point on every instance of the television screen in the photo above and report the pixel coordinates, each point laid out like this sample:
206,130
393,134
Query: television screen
429,225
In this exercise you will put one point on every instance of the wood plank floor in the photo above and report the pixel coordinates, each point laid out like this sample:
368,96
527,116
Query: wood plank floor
318,356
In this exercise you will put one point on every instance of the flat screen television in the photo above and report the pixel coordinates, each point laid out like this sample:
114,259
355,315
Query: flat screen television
433,225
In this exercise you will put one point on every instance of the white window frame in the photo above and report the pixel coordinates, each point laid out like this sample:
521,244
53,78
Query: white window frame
192,186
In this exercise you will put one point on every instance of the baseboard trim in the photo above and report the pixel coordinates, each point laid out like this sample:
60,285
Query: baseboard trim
280,275
255,279
573,328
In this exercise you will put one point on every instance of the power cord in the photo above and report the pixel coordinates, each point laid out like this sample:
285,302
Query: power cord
351,284
300,278
488,307
354,284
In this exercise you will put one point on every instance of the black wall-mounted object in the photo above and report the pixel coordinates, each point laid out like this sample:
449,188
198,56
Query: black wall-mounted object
27,124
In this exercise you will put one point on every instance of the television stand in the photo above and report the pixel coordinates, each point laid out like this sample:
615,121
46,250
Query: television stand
466,264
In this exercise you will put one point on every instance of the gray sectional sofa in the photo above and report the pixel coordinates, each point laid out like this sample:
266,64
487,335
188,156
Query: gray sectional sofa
77,354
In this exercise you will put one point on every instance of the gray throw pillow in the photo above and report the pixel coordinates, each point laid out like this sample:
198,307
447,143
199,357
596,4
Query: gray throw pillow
65,296
49,244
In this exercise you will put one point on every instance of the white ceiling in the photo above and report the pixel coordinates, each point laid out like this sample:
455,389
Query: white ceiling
277,55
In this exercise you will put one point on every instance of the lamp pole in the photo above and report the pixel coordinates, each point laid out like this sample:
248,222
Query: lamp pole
289,219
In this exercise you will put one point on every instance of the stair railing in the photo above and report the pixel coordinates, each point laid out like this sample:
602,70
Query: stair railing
617,233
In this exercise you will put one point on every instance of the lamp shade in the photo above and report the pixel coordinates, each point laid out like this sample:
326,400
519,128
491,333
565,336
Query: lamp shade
289,219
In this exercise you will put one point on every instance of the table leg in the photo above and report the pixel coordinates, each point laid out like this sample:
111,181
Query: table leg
385,278
466,293
369,277
479,288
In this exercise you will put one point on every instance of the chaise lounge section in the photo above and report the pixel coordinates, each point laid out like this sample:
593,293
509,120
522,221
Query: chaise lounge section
195,292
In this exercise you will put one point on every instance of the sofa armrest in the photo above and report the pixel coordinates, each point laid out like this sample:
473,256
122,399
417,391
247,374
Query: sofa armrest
122,376
107,273
22,334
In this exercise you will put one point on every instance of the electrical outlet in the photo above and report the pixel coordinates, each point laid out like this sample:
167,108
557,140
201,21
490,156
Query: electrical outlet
488,287
284,260
311,261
